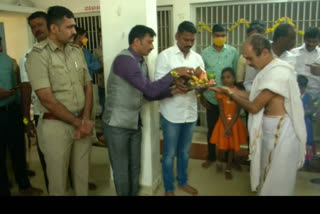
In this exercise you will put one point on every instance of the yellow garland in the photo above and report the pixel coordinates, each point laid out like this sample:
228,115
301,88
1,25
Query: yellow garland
247,23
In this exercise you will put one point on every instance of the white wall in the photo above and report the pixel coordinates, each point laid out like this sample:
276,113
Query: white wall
16,33
125,15
76,6
182,10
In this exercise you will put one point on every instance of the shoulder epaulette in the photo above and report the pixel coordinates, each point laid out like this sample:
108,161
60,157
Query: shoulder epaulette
40,46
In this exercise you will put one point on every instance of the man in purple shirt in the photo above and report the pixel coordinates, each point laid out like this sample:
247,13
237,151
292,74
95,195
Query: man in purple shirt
128,83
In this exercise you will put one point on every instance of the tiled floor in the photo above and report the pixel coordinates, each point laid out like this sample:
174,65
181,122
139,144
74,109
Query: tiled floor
207,181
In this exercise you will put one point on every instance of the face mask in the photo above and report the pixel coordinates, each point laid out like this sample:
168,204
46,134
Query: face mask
219,41
84,41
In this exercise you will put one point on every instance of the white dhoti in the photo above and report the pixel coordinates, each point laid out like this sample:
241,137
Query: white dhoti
277,146
280,150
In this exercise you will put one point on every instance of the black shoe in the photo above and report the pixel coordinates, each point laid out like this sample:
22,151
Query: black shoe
30,173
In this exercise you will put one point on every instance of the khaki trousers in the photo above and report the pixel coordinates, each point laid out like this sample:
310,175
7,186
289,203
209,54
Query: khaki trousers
61,150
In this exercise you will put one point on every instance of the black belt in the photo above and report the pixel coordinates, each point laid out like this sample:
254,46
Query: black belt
9,107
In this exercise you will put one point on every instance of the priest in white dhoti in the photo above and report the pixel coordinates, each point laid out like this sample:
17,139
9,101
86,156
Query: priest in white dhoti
276,127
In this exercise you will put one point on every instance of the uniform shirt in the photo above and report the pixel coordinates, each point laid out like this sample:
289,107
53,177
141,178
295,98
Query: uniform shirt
8,79
65,72
179,108
24,78
215,62
305,57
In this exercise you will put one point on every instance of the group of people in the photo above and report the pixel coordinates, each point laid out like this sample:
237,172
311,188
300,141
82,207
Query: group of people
61,74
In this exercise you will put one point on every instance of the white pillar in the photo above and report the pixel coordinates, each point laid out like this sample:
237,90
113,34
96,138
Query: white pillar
117,19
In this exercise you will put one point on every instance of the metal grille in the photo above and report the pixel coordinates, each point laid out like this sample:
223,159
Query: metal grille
91,24
164,15
304,14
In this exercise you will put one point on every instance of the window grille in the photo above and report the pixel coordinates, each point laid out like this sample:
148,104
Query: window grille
164,15
303,14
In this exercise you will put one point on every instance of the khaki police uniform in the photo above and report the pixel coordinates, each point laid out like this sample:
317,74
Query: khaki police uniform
66,73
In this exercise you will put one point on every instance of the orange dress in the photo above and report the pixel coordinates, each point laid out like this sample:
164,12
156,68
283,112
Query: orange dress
239,132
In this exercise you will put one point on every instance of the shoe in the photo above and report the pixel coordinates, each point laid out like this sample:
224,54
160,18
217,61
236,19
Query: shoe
30,173
31,191
207,164
189,189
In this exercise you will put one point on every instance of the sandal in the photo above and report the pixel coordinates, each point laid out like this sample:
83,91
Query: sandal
228,174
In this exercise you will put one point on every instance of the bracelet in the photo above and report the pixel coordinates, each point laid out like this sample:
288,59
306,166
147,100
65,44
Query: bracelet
174,74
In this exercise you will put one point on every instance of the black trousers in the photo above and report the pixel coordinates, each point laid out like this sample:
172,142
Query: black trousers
12,137
212,118
41,157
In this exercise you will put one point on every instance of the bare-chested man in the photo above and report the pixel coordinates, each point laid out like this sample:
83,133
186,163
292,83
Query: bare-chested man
277,135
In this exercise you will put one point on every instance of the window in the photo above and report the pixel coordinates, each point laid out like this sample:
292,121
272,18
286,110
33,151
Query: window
164,15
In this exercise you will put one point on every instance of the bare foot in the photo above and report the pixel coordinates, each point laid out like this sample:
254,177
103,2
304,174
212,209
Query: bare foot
189,189
219,167
92,186
228,174
169,194
207,164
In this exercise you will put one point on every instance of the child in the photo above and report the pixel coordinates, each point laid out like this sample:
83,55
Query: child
229,132
308,111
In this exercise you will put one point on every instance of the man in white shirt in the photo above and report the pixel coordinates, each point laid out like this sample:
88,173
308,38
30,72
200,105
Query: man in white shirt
309,53
38,24
178,113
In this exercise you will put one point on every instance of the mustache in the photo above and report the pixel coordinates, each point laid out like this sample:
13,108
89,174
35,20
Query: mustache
38,33
187,47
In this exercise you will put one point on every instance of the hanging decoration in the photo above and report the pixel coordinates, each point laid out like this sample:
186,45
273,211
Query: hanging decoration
247,23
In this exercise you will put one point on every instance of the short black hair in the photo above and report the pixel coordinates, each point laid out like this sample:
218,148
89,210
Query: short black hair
56,14
80,32
186,26
38,14
258,23
281,31
312,33
218,28
302,81
228,69
258,43
257,28
140,31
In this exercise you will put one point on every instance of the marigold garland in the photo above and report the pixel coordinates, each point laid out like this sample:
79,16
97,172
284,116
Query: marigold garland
247,23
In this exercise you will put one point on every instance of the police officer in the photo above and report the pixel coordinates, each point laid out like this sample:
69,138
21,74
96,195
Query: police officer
58,73
11,129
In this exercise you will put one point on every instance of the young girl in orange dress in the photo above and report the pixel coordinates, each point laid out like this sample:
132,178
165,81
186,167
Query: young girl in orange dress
229,132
